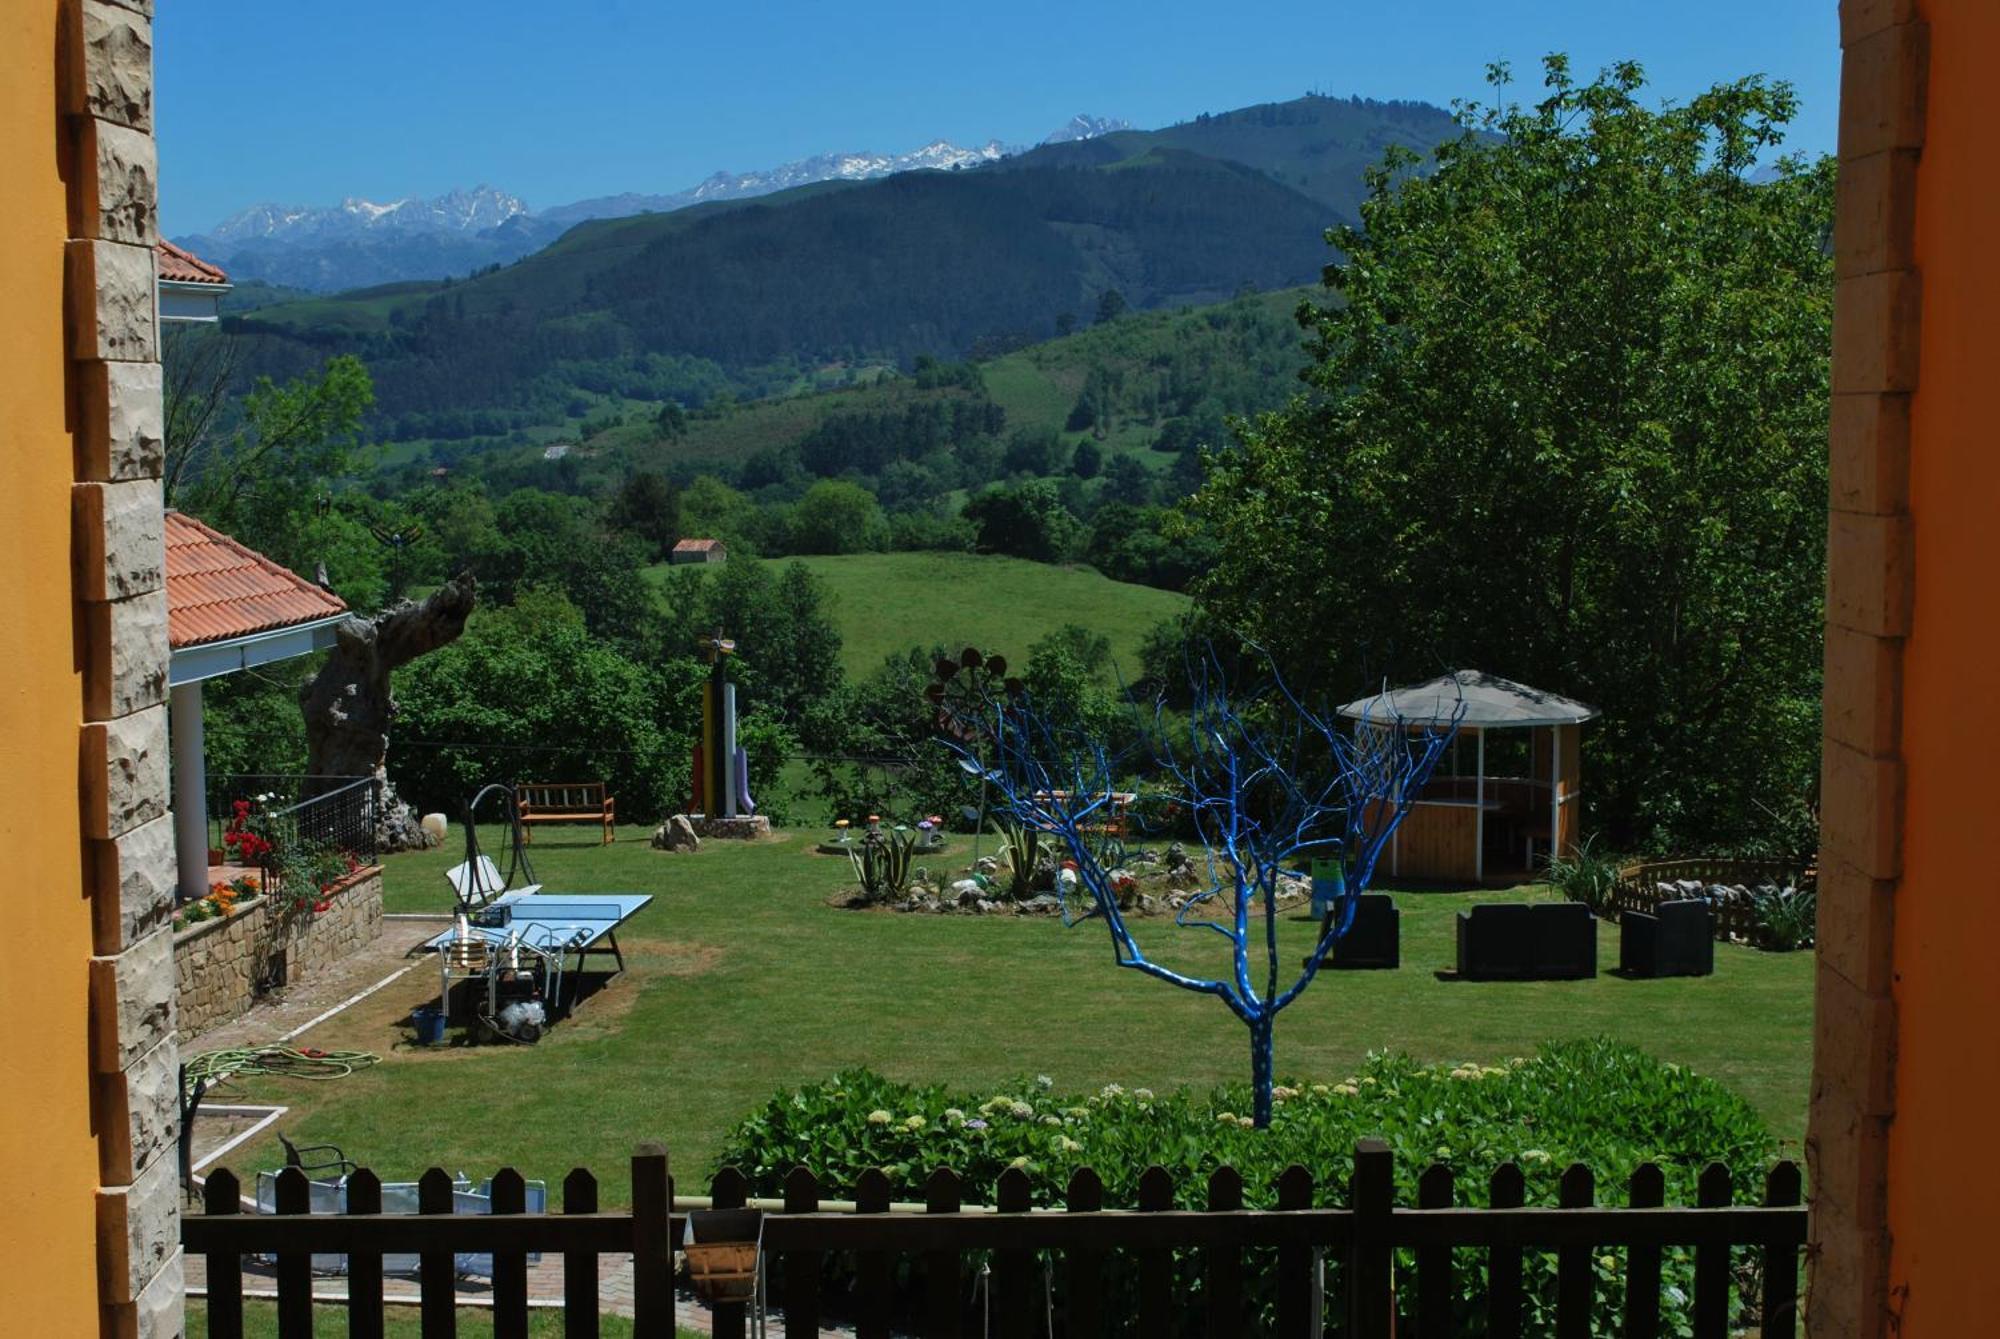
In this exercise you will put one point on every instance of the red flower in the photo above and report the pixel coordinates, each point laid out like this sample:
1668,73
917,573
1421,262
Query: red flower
322,904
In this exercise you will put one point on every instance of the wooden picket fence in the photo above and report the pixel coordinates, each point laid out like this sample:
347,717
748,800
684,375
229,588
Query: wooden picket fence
1364,1237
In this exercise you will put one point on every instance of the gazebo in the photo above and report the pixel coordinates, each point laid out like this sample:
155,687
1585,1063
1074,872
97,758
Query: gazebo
1519,800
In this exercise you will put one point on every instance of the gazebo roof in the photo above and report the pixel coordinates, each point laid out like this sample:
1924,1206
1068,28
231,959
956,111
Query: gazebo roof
1490,702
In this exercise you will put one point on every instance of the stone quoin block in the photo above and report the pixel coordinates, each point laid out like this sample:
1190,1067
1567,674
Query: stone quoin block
115,194
1847,1278
138,1232
127,666
113,302
1868,454
1870,573
124,782
1857,925
1865,18
131,1002
109,59
1863,690
1884,81
123,420
1861,809
157,1313
1875,213
1847,1158
139,1115
1876,332
121,547
1856,1075
132,877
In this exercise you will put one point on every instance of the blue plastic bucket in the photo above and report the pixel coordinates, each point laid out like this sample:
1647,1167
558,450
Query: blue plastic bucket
429,1020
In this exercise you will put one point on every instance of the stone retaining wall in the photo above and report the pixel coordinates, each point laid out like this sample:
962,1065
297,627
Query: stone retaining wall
220,964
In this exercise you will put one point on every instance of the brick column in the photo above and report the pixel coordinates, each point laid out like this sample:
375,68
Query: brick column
107,92
1877,301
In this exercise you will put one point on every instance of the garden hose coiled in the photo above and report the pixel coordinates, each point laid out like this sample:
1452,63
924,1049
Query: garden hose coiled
276,1061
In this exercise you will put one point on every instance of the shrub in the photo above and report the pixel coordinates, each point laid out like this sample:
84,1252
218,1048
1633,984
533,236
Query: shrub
1591,1101
1788,917
1585,876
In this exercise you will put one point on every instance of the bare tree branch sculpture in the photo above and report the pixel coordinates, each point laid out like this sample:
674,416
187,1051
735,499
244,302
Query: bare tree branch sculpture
1267,782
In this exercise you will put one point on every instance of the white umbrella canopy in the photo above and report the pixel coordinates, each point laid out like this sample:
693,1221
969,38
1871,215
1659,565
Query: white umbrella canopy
1489,702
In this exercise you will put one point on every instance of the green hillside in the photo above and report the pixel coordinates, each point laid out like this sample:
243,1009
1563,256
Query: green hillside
885,603
758,297
1237,357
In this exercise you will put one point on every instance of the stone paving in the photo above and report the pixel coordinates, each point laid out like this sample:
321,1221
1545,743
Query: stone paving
545,1290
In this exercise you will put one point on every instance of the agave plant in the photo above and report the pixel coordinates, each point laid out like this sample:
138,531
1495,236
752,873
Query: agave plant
1585,875
1788,917
883,862
1024,848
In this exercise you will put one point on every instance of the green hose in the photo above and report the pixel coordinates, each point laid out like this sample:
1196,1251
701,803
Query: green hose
284,1062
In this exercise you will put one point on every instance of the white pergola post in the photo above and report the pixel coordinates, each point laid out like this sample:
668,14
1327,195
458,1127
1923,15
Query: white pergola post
1479,823
1555,791
190,789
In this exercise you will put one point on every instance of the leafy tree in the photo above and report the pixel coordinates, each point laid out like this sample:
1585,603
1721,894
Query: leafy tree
648,508
1128,480
1028,522
262,483
1110,306
836,516
1086,460
528,693
1568,425
1032,451
672,421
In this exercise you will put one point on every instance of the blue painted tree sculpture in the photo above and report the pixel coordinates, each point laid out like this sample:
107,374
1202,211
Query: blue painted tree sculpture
1266,782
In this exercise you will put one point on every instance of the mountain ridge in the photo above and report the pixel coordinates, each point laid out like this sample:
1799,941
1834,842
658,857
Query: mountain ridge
361,242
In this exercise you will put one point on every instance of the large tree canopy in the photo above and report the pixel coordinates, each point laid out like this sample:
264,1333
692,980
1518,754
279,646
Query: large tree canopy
1567,423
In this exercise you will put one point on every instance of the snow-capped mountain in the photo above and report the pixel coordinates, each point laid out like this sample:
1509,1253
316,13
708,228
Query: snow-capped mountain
473,211
361,242
1085,126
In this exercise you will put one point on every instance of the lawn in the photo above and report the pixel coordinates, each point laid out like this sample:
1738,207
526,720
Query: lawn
885,603
743,980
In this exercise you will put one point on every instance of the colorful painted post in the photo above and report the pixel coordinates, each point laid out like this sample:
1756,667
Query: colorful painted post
715,757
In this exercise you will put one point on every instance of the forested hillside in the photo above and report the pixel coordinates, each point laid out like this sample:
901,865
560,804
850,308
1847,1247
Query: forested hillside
819,285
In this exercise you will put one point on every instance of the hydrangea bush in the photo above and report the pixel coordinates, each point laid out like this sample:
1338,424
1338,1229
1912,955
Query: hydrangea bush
1597,1102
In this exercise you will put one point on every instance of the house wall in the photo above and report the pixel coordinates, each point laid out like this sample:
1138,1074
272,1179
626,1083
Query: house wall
1904,1076
92,1242
48,1148
1943,1182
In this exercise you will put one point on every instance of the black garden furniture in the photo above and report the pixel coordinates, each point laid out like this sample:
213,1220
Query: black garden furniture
1549,941
1674,939
1373,940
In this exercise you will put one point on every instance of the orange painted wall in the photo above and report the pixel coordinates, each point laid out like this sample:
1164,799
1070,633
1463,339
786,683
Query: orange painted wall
1944,1181
48,1154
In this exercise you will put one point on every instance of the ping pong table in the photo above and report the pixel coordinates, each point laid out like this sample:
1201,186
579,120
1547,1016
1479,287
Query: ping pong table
554,927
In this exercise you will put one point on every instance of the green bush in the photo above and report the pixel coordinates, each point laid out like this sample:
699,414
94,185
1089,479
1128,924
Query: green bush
1585,875
1605,1105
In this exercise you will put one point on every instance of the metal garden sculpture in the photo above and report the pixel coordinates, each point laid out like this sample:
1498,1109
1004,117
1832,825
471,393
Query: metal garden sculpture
1267,783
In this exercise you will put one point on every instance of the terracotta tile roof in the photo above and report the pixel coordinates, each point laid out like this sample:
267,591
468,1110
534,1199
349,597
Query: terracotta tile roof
185,267
697,545
218,589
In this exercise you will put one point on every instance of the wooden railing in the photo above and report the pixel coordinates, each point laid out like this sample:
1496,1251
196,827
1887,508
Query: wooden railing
1363,1239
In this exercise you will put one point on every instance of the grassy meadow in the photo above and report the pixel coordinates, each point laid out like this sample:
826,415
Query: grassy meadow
885,603
742,980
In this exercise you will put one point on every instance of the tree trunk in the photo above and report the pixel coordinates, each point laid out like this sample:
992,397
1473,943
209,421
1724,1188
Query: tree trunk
348,706
1260,1069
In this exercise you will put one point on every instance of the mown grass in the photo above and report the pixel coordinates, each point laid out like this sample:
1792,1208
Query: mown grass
743,980
885,603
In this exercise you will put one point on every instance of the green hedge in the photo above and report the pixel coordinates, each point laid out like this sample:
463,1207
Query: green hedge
1596,1102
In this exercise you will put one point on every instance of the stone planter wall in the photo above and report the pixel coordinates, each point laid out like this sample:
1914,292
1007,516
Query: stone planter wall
220,964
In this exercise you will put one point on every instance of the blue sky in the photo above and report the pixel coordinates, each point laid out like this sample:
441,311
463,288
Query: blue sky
564,99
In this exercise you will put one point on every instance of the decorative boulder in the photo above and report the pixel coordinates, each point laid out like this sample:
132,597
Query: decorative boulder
676,834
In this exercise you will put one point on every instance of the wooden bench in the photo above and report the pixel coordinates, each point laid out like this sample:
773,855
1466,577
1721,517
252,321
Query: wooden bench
565,802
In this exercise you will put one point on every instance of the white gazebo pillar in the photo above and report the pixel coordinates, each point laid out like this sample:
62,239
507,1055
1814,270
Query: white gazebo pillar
190,789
